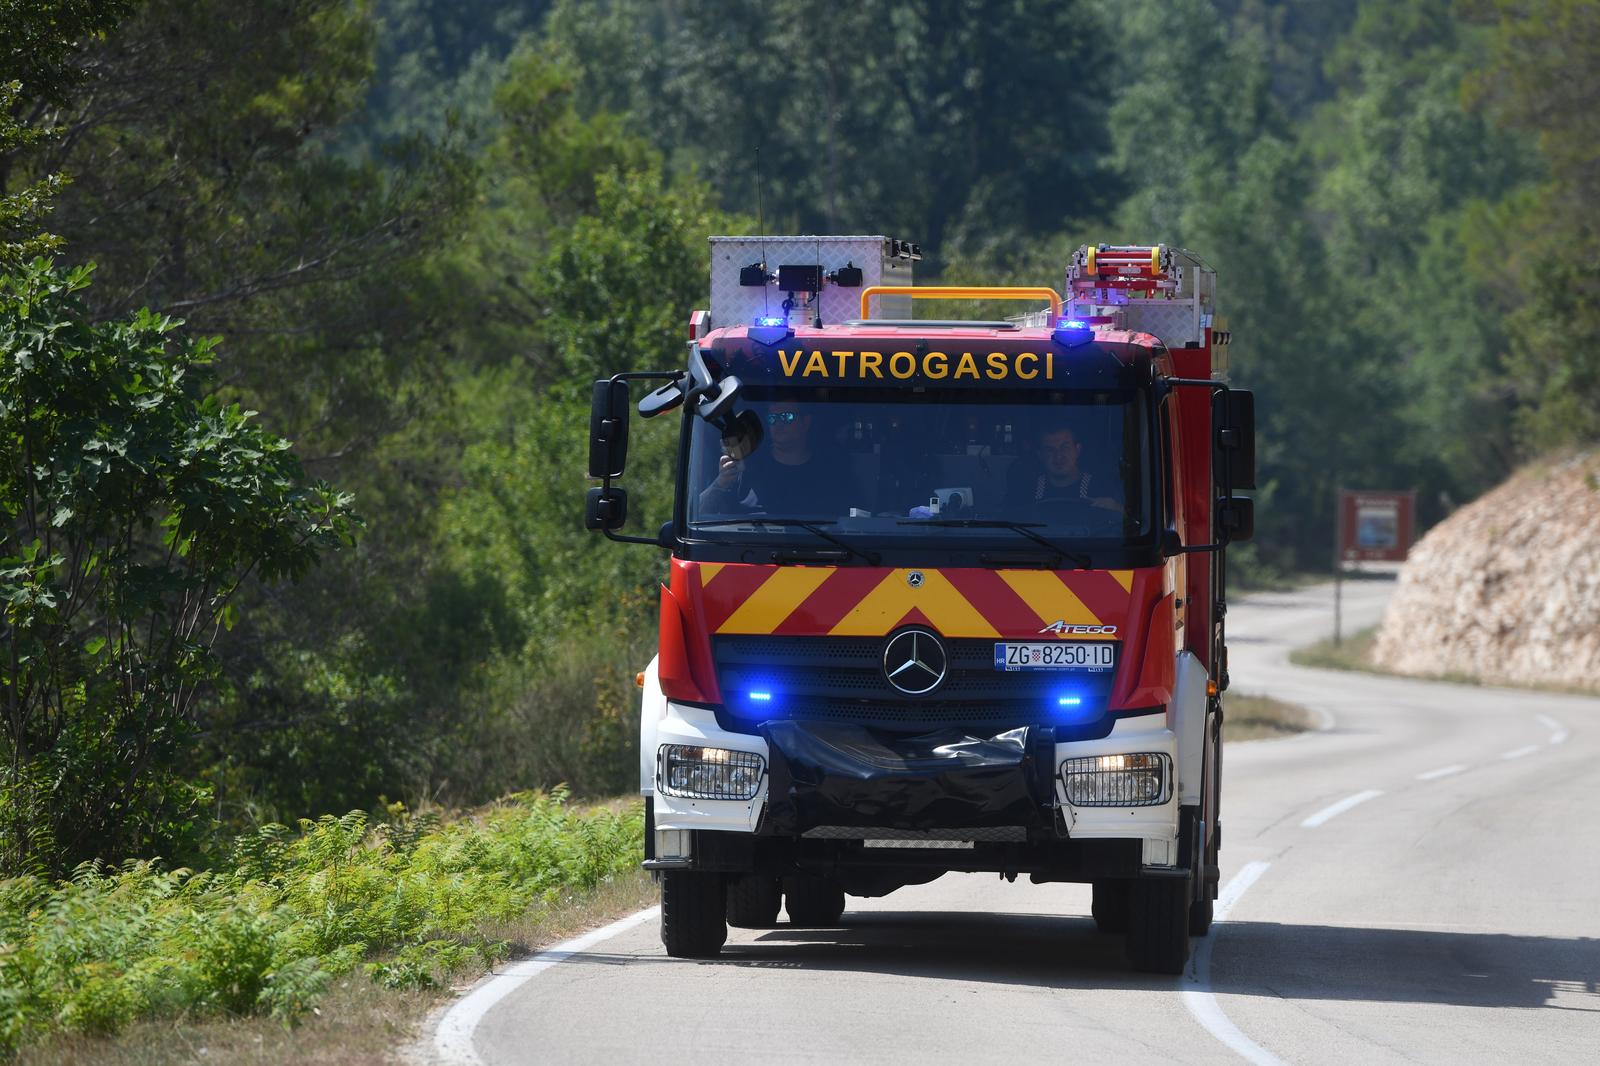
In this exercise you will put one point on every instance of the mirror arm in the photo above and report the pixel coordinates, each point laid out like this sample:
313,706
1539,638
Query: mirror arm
624,538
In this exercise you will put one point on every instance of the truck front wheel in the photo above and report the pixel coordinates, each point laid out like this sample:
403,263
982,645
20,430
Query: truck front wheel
693,922
813,900
753,902
1158,924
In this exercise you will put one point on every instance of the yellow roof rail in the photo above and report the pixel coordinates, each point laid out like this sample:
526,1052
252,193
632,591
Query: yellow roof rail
963,292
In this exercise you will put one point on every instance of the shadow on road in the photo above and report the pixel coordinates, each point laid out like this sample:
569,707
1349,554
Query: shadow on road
1311,962
1408,966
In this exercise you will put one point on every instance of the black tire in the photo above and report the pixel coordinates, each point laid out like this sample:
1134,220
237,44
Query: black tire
753,901
1110,906
813,901
1158,924
1200,914
693,923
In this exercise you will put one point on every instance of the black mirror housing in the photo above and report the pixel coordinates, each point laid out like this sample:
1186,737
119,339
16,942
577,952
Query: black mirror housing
605,509
1171,543
741,435
1236,518
608,429
1233,419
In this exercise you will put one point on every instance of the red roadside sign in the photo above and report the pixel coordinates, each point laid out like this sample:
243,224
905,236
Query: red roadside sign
1376,525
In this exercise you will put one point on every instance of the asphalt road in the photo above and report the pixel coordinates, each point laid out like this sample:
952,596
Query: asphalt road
1418,882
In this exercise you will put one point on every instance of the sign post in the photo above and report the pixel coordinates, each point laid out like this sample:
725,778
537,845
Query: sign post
1373,526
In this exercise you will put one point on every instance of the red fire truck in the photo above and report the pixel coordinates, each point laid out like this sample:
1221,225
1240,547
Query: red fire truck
944,595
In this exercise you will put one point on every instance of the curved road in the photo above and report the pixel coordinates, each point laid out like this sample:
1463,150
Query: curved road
1419,882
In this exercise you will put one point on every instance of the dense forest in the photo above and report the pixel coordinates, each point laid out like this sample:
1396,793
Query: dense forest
301,300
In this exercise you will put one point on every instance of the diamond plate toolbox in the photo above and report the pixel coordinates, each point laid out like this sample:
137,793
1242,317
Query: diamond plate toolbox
733,304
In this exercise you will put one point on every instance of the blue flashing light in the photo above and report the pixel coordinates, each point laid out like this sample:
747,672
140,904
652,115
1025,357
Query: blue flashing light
1072,332
762,696
1075,710
770,330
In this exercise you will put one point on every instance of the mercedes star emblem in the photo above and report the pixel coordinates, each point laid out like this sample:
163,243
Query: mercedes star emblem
914,579
914,661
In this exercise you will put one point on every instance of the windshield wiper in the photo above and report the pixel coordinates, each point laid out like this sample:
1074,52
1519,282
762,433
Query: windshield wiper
1025,528
810,525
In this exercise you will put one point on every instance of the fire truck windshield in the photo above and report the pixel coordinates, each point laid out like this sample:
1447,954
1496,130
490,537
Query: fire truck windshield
879,466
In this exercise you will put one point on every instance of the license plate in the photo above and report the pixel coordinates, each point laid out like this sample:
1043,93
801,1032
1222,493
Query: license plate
1055,655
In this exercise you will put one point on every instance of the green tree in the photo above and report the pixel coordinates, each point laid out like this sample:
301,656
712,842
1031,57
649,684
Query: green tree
955,124
134,505
1403,169
1543,79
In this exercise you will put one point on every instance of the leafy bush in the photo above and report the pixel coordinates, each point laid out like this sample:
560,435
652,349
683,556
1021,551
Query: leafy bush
132,507
292,910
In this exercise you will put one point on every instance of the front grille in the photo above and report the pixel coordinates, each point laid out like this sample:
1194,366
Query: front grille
841,679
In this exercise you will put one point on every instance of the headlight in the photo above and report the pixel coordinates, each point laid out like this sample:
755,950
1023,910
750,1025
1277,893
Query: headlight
1138,780
708,773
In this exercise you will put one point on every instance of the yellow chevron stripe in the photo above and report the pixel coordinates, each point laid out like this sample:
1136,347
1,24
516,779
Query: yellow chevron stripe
1124,578
709,571
776,599
946,609
1048,597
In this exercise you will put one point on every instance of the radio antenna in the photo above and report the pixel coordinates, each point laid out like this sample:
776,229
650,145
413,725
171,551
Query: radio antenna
816,297
761,224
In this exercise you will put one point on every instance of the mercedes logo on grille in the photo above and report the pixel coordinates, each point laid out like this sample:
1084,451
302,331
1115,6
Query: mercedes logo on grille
914,661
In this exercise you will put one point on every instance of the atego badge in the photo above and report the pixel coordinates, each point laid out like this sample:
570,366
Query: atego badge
914,661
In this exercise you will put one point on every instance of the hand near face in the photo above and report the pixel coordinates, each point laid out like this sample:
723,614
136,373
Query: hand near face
728,473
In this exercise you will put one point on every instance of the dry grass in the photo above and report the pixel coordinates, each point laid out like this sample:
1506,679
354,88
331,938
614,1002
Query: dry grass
1354,652
356,1022
1260,717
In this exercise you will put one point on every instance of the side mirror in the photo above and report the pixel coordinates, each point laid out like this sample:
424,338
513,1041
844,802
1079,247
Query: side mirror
741,434
1236,518
1233,418
605,509
608,430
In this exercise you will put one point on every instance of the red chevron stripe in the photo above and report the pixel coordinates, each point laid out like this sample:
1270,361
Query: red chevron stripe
728,590
1099,592
995,600
832,600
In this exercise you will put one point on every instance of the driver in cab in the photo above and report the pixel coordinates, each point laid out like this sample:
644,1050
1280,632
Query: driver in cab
1058,477
784,476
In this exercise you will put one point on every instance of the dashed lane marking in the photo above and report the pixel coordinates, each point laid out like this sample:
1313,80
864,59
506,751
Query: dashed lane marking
1558,732
1517,753
1198,997
1443,771
1333,810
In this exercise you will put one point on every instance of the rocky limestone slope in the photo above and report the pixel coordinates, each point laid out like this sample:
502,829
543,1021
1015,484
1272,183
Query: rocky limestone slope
1507,589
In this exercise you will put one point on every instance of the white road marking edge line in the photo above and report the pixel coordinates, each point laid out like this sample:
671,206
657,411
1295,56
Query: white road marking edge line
452,1037
1443,771
1201,1001
1333,810
1517,753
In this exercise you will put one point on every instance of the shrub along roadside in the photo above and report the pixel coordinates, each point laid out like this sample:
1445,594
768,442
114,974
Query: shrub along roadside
406,897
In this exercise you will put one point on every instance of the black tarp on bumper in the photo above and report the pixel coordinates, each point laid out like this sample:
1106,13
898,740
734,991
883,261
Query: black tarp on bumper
840,774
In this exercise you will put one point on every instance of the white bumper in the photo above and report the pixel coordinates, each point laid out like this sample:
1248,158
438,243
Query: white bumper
691,725
675,723
1156,825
